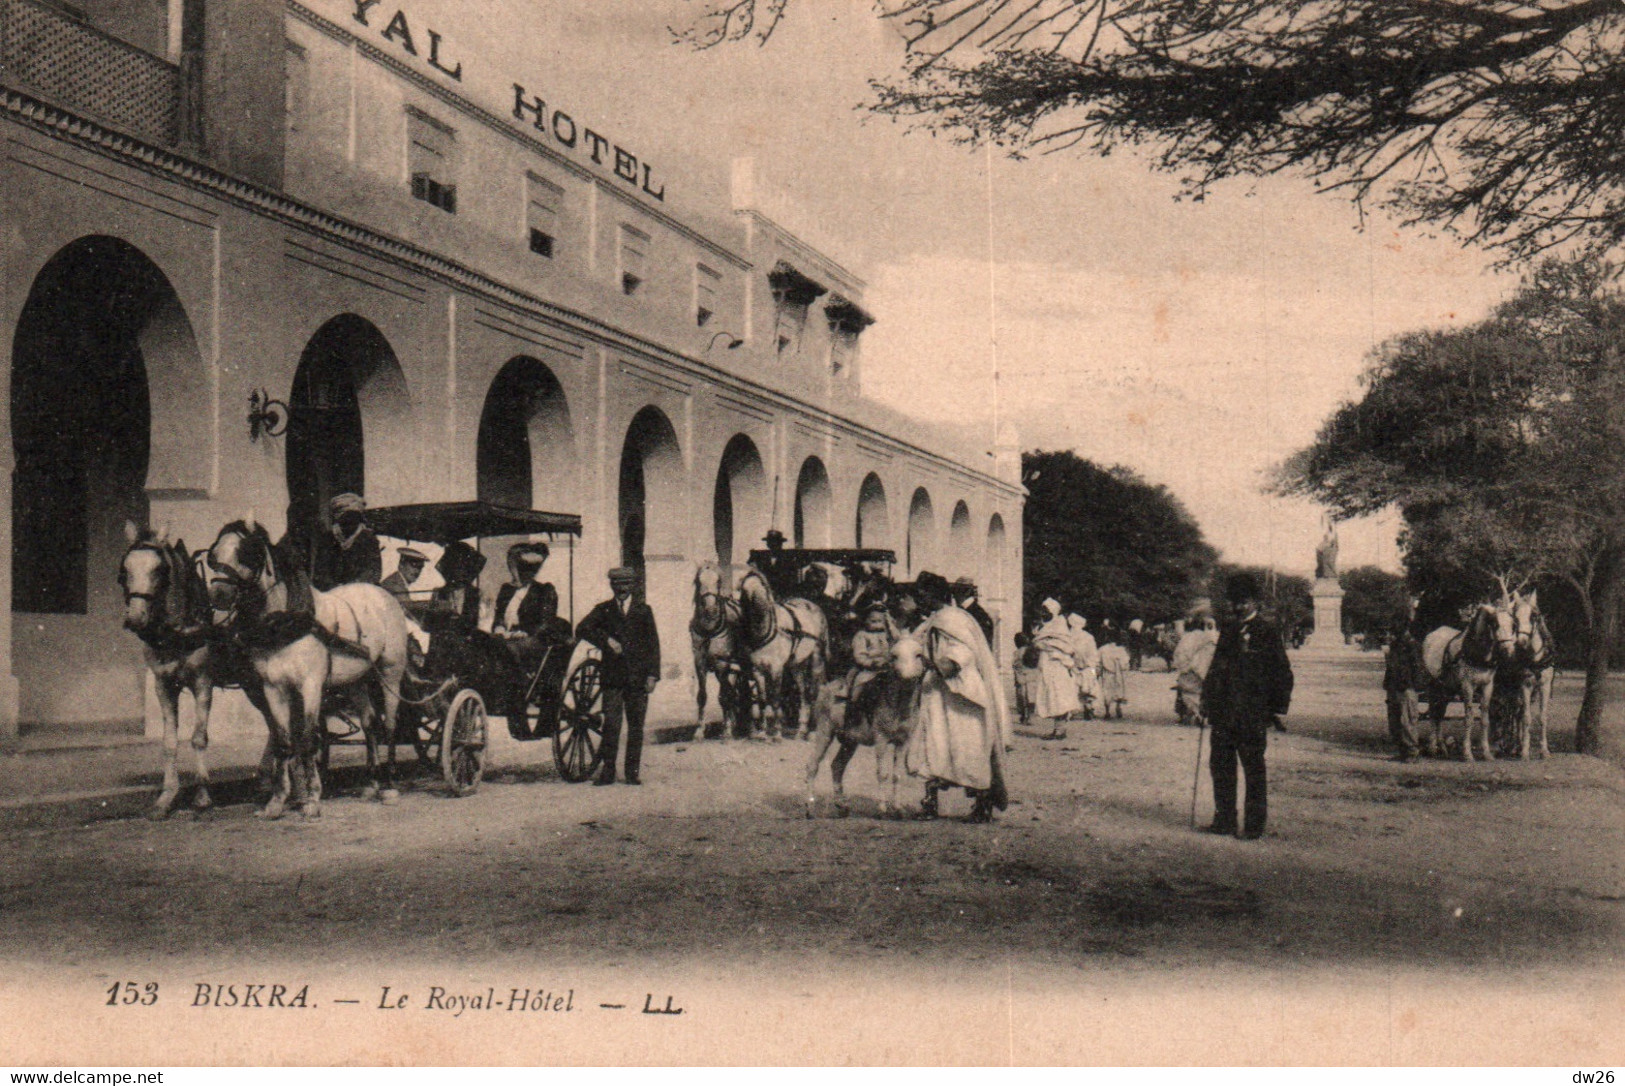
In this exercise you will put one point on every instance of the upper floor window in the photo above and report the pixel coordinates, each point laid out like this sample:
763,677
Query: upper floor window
633,260
543,199
707,284
295,85
431,160
847,320
793,294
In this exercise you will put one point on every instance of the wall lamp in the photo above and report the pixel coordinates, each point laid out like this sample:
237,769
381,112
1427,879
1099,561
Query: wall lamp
265,415
734,342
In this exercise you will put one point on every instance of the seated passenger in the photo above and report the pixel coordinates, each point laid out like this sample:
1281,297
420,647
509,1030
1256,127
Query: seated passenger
459,597
527,607
409,568
871,651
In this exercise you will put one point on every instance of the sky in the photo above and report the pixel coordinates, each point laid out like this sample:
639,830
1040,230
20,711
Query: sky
1198,343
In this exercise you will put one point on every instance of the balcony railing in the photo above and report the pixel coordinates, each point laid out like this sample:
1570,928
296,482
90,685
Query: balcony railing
65,59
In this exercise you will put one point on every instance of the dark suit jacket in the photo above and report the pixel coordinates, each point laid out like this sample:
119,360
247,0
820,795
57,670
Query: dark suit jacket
640,643
1250,680
536,611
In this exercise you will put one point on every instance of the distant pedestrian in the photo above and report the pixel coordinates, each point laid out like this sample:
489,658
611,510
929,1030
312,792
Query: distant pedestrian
1402,676
623,630
1248,687
1136,643
1114,667
1057,689
1085,664
1193,655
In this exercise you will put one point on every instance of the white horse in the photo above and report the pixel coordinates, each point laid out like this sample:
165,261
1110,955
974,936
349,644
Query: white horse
1462,664
354,639
1536,657
787,645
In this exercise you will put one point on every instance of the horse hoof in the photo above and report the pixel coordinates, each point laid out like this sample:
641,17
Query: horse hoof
270,812
389,796
201,800
369,791
310,812
158,812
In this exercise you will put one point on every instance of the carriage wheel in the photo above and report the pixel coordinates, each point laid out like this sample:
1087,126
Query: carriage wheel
578,740
420,726
463,739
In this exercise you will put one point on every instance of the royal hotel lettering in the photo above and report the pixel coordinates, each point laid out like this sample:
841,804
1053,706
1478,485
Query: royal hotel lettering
554,123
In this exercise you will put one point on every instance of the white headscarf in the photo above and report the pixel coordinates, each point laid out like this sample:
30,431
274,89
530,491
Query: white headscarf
1052,605
1077,622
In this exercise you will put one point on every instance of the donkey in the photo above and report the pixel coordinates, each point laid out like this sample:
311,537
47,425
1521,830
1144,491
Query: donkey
166,605
1462,664
787,645
355,635
713,633
880,715
1535,655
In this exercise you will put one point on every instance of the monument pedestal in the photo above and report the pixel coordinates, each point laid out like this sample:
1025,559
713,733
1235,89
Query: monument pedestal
1328,635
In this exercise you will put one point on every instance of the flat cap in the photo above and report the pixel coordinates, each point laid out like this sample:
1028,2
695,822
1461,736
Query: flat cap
623,575
410,554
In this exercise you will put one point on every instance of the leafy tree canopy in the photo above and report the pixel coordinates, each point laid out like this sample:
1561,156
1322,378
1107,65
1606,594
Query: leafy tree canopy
1503,447
1108,544
1495,118
1375,602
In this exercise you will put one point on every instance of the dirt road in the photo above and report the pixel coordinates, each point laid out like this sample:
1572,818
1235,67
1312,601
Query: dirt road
1434,912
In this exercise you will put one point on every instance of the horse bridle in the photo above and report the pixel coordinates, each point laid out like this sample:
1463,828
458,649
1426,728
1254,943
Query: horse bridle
721,623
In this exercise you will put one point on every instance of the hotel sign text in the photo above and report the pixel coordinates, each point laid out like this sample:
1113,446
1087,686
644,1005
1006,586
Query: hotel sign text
559,126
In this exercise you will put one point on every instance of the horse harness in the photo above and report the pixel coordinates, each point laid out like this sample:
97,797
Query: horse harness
173,633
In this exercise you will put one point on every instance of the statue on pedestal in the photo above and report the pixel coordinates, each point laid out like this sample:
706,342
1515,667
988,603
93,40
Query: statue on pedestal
1326,554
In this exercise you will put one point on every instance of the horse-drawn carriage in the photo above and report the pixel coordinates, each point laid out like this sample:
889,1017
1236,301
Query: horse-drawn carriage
772,636
466,673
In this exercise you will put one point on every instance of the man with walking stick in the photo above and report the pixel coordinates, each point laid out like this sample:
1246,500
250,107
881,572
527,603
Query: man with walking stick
1248,688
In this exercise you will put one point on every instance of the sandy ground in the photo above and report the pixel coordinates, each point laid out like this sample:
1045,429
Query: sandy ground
1434,912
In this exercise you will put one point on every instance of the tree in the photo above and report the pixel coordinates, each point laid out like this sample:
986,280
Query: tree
1503,447
1374,602
1107,543
1498,119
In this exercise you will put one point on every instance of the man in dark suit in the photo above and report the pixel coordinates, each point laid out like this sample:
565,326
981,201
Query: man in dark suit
1248,686
623,630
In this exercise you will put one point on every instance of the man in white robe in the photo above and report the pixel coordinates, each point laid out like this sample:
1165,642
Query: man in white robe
1057,695
962,727
1085,663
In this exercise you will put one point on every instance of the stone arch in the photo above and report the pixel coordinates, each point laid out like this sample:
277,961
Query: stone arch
919,547
739,507
350,426
812,512
996,561
961,549
873,527
651,488
525,451
110,402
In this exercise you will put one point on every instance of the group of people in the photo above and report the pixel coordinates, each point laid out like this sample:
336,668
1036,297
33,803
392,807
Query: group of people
1065,671
961,725
525,617
1235,680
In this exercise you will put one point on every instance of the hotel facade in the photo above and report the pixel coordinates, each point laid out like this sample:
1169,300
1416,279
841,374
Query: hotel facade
215,204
